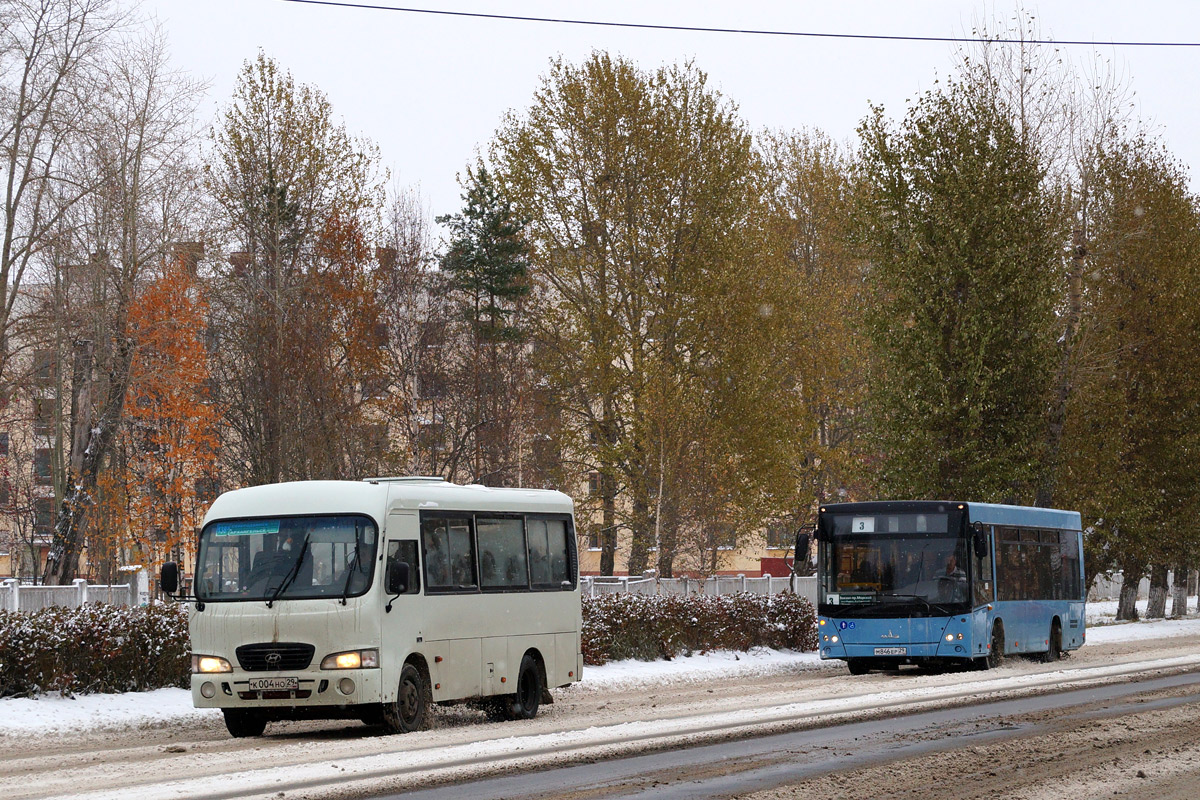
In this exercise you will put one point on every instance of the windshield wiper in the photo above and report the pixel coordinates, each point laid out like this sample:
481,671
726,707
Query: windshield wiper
291,575
350,571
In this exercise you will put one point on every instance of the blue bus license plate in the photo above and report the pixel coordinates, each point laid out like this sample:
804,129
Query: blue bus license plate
891,651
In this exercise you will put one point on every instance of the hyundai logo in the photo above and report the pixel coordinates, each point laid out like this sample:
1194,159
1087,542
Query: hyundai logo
273,660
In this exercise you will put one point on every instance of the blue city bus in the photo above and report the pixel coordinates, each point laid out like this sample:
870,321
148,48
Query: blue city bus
942,583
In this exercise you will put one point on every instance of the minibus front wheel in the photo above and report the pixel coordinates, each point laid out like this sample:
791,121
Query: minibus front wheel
243,723
410,711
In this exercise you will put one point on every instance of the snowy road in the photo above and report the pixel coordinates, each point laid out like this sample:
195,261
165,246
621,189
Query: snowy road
650,708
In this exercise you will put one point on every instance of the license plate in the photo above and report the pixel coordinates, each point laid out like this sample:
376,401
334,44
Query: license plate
891,651
274,684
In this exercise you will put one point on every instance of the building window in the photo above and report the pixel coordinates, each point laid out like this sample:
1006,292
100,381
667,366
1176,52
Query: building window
43,517
429,384
595,484
43,416
375,386
206,489
4,444
43,367
42,474
377,438
429,436
723,535
779,536
6,494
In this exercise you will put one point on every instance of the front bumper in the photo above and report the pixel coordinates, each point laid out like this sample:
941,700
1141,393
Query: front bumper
315,688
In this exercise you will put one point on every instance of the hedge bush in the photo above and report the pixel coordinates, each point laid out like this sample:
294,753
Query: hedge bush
648,627
102,648
96,648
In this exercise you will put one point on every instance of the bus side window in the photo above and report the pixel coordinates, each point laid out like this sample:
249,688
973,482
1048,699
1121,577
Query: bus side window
449,553
405,550
983,574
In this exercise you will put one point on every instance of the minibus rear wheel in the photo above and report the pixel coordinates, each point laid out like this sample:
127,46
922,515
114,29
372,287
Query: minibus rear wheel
524,704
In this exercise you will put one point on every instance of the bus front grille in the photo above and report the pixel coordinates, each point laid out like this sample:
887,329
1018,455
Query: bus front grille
275,656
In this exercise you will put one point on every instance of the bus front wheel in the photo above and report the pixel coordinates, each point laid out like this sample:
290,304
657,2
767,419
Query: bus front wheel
242,723
410,712
995,656
858,666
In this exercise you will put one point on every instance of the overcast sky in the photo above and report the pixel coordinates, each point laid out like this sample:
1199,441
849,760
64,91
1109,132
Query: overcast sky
431,90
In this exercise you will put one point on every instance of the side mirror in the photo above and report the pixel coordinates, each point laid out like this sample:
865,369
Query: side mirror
397,577
979,538
803,545
168,579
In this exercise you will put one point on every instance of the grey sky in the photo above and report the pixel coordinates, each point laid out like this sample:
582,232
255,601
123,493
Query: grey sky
430,90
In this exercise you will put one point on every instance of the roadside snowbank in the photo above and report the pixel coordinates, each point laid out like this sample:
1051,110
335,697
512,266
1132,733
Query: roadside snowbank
99,712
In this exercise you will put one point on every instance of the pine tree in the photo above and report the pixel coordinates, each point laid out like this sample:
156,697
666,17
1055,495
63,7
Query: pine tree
487,263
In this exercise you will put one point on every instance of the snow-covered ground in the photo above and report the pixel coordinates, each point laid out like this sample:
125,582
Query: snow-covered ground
94,713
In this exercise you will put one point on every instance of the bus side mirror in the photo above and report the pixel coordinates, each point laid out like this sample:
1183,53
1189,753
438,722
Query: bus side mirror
803,545
168,579
397,578
979,538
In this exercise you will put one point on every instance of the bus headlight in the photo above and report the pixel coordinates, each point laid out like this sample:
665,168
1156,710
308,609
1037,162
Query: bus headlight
352,659
206,664
833,638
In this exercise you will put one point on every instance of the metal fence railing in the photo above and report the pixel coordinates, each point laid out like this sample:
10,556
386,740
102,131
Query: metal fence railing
15,596
593,586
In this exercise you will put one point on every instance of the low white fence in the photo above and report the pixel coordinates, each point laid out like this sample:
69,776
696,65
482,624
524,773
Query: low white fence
591,585
15,596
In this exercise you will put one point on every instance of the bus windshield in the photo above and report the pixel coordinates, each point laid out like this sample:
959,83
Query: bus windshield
285,558
895,558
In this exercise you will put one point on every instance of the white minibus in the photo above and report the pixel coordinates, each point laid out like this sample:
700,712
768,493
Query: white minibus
375,599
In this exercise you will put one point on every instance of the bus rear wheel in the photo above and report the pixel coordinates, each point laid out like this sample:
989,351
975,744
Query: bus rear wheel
524,704
410,711
243,723
1054,647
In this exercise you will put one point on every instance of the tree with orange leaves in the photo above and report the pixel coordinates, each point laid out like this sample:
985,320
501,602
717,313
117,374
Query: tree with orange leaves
168,447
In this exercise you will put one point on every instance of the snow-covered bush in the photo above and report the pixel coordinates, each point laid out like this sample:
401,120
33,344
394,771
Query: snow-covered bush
96,648
650,627
103,648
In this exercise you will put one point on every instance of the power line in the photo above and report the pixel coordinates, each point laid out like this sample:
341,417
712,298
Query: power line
744,31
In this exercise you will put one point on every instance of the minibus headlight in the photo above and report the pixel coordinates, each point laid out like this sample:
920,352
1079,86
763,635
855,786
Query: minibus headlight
206,664
833,638
352,659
